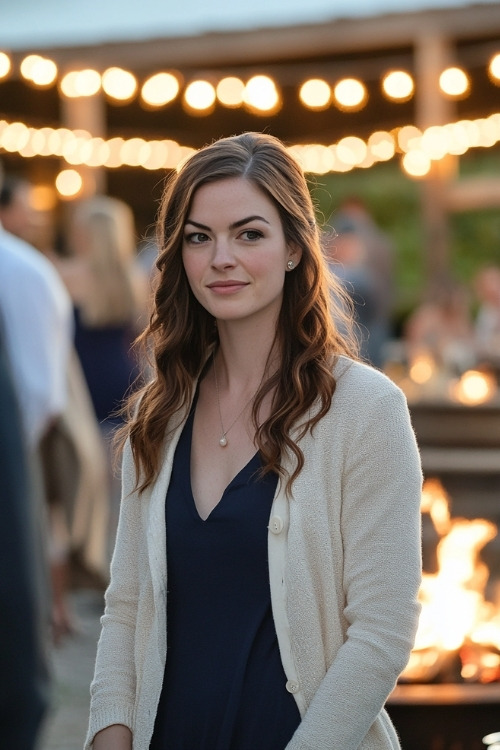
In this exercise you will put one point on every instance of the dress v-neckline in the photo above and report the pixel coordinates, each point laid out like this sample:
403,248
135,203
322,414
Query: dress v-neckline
236,477
233,481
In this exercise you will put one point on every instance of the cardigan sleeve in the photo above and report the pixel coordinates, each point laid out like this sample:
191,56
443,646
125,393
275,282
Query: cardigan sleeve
113,687
380,532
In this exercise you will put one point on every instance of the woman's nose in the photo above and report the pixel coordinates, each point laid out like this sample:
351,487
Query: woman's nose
223,255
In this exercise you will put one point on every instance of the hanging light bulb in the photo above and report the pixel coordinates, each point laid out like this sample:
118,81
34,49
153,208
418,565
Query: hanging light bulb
454,82
230,91
398,85
494,69
160,89
119,84
200,96
350,94
261,95
315,94
5,65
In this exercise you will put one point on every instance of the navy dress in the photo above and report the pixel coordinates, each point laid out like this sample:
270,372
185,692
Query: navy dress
108,364
224,684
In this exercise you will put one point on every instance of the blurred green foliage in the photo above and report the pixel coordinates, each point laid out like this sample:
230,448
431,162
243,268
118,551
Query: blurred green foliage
394,201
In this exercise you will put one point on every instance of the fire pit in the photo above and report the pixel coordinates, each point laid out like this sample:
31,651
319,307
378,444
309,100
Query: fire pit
449,695
448,698
445,717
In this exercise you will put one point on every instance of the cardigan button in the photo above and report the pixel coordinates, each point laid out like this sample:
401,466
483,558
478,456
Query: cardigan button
276,525
292,686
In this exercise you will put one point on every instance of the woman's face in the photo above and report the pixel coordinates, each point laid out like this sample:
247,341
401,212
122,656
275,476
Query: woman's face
234,251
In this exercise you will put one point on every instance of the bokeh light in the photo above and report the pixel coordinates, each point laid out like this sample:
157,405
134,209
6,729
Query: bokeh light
315,94
398,85
416,163
351,94
261,95
160,89
119,84
69,183
77,83
494,69
5,65
454,82
200,96
230,91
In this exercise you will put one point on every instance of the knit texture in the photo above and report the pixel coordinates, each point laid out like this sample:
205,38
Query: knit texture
344,565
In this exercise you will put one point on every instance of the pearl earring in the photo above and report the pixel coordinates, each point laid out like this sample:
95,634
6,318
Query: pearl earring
290,265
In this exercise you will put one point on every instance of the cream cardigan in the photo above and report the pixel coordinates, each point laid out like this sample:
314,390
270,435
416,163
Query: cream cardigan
344,566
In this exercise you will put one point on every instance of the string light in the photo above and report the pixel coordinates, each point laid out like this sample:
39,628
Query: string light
381,145
494,69
416,163
398,85
199,97
315,94
69,183
261,95
119,84
80,83
230,91
418,149
5,65
454,82
352,150
160,89
350,94
39,70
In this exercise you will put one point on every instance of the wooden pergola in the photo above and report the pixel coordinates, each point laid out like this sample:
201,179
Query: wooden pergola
423,43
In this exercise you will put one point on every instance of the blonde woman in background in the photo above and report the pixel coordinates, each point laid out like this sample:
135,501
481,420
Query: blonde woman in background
109,293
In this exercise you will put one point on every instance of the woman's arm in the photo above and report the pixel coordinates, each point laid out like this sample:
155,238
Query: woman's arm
113,689
116,737
380,525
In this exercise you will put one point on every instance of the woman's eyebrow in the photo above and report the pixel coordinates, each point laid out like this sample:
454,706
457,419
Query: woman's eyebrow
196,224
241,222
235,225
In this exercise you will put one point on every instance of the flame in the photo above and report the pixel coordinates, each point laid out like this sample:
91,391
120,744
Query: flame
454,609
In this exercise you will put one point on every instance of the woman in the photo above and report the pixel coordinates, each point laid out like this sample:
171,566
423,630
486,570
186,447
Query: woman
109,293
275,477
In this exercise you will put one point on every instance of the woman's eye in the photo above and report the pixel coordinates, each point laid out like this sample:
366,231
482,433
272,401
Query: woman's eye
252,234
196,238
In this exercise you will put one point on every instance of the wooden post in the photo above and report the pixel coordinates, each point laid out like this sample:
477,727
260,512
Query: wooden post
432,56
87,113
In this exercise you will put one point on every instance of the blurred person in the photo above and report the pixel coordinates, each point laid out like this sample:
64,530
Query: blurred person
109,292
374,273
74,470
17,214
346,254
442,327
486,286
37,322
267,564
24,673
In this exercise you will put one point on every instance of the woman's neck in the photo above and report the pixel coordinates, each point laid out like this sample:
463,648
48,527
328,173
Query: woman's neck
244,356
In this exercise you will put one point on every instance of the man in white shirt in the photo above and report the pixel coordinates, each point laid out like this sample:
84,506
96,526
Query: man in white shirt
35,341
36,316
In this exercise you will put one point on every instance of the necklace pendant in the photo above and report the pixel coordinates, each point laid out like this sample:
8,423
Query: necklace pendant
223,441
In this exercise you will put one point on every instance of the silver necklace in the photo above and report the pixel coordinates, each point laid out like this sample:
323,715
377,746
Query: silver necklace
223,437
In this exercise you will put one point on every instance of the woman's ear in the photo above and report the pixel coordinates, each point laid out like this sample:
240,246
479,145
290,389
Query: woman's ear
294,253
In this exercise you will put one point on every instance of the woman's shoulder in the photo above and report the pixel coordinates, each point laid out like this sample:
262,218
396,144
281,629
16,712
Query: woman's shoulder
357,378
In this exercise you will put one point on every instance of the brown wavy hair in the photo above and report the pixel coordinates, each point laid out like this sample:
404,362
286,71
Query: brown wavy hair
182,335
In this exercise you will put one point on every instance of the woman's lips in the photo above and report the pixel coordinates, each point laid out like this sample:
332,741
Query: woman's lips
227,287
